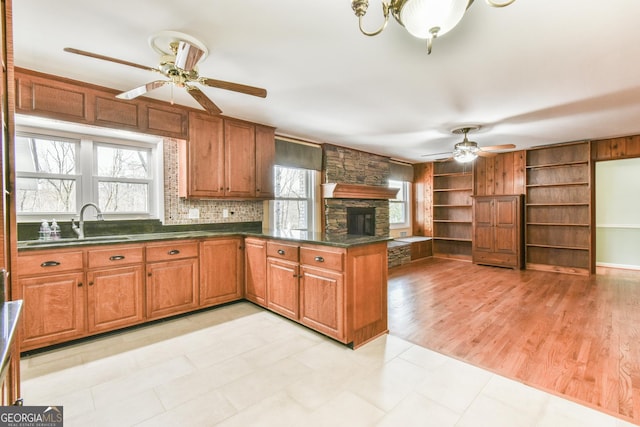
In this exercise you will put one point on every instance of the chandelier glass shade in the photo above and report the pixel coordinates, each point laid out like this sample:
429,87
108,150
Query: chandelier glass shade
424,19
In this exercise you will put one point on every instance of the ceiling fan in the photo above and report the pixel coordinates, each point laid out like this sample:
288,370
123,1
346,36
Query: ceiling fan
467,151
180,54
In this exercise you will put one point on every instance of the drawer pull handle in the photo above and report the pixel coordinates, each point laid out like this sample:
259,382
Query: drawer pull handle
50,264
173,252
116,257
319,259
280,252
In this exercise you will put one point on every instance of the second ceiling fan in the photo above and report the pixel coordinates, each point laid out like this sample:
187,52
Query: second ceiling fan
180,55
467,151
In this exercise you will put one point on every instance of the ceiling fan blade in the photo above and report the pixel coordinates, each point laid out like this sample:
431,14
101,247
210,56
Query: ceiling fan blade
108,58
187,56
141,90
236,87
486,153
498,147
436,154
203,100
446,159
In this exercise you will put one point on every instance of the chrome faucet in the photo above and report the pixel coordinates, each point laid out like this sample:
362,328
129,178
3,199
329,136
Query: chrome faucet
79,228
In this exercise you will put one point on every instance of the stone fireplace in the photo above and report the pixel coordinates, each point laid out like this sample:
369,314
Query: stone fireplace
348,166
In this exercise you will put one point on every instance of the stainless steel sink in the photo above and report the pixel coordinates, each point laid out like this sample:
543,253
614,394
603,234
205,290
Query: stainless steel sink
116,238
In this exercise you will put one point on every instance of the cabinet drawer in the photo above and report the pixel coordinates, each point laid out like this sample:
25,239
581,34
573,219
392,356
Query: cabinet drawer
282,251
173,250
114,256
332,260
493,258
49,262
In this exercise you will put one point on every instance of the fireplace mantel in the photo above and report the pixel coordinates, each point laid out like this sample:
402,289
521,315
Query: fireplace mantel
357,191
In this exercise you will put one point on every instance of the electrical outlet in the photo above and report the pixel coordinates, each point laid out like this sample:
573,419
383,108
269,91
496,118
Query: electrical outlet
194,213
225,213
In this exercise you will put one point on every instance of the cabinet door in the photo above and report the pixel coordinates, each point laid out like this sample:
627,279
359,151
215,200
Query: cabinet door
172,287
53,309
265,161
255,271
322,301
240,159
202,158
114,298
483,222
506,224
221,265
282,287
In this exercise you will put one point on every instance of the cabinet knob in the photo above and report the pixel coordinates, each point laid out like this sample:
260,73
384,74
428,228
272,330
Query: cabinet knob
50,264
90,283
79,284
280,252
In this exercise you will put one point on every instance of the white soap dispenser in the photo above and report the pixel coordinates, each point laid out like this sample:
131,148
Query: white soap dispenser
55,230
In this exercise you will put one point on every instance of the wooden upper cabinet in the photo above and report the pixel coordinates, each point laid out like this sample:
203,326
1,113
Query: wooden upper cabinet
265,161
202,158
240,159
226,158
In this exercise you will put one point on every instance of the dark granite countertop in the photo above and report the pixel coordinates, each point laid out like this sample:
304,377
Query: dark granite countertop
341,241
9,315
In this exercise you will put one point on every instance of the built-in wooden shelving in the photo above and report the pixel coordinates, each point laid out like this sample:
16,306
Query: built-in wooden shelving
559,199
452,215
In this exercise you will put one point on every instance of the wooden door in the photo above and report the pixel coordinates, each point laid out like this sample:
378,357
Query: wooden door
255,271
483,224
240,159
53,309
172,287
322,301
282,287
221,265
506,224
202,158
265,162
115,298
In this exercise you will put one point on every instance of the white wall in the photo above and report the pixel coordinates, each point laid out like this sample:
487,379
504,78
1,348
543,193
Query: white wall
618,213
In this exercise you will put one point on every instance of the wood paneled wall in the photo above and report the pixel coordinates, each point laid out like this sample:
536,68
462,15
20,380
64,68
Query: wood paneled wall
625,147
422,199
504,174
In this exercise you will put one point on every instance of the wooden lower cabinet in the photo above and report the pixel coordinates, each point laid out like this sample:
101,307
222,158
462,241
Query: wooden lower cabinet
255,270
497,231
282,287
322,301
221,270
54,309
172,278
115,298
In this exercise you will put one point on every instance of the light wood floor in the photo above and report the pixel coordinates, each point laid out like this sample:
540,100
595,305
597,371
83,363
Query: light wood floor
575,336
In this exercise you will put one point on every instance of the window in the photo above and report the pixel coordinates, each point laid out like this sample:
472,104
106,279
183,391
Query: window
293,208
58,172
399,207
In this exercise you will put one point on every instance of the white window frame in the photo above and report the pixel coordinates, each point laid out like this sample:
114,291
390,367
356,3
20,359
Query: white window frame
87,180
311,191
405,192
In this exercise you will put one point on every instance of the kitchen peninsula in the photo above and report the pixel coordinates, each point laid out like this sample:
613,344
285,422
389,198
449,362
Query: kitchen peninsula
73,289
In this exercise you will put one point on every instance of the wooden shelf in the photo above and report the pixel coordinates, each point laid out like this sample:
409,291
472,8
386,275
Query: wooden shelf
559,235
357,191
572,248
453,189
559,184
451,206
452,220
557,165
453,239
468,173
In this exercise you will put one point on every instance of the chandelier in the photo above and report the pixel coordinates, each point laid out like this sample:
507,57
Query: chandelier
424,19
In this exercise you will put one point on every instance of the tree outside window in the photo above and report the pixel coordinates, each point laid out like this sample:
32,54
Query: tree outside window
292,208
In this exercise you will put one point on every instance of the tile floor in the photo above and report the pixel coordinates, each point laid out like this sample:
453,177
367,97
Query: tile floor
239,365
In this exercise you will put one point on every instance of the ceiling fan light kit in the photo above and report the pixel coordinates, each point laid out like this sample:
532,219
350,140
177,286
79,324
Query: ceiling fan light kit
180,54
424,19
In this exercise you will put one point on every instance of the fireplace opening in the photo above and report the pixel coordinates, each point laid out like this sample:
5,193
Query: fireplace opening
361,221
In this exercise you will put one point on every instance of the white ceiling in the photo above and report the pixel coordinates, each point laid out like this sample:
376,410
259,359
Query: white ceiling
536,72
